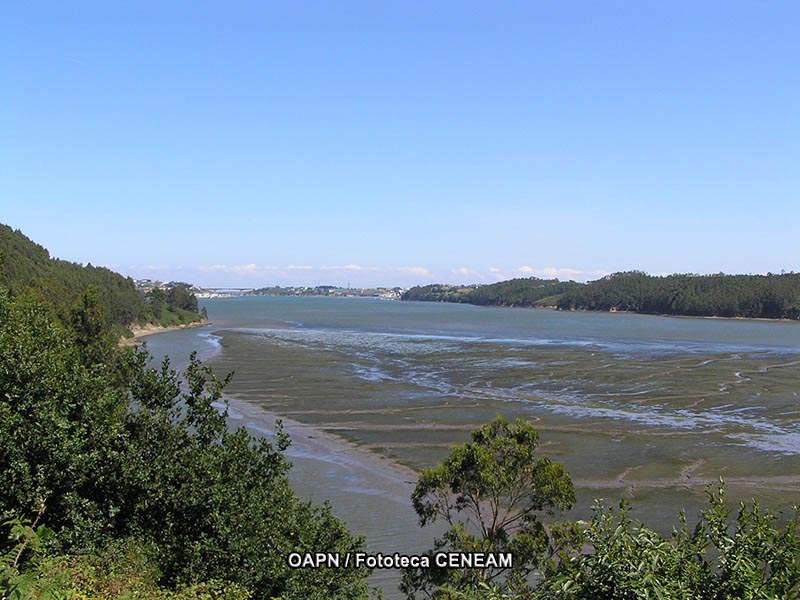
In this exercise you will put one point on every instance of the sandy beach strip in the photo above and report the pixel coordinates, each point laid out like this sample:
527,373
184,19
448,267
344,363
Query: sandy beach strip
150,329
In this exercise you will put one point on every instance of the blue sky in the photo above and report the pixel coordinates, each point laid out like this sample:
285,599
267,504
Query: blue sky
392,143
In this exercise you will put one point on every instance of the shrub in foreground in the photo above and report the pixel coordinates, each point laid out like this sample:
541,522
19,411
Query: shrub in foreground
113,450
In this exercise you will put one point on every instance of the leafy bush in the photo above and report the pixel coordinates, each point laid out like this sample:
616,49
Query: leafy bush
116,450
749,557
491,492
122,571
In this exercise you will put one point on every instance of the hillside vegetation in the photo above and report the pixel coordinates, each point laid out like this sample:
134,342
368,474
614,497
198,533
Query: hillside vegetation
123,480
515,292
747,296
27,268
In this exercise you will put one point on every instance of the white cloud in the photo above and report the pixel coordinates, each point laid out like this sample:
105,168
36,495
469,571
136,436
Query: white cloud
251,268
420,271
406,270
370,275
244,268
498,274
464,272
349,268
560,272
149,267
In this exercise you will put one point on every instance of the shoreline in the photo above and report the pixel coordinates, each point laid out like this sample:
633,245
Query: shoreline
326,467
665,315
315,443
151,329
310,442
369,492
613,312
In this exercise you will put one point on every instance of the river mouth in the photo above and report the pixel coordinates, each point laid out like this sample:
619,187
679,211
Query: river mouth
633,409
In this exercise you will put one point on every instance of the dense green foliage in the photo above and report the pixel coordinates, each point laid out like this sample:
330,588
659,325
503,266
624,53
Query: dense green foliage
515,292
124,570
750,557
115,450
491,492
749,296
174,306
27,268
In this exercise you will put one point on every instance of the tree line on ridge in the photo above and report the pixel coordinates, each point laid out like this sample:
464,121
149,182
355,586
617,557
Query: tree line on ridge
772,296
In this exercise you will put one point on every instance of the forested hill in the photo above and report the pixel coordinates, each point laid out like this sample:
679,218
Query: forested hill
515,292
122,480
27,268
749,296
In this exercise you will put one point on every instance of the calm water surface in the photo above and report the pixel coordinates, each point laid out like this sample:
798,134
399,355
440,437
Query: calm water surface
646,408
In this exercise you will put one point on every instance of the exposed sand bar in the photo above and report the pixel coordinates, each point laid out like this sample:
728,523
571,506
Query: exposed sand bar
311,442
150,329
371,493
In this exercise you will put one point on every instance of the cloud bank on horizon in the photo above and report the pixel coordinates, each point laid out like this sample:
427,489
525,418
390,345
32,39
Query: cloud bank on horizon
255,275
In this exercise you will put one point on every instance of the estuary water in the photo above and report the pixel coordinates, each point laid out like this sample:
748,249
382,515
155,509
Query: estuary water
645,408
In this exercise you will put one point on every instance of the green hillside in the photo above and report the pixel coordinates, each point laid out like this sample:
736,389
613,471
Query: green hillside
747,296
123,480
26,268
515,292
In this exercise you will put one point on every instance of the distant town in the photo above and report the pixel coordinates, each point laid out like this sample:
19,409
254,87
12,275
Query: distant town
145,285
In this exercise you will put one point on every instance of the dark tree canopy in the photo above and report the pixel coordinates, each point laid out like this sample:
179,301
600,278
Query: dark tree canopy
748,296
116,450
27,268
112,453
515,292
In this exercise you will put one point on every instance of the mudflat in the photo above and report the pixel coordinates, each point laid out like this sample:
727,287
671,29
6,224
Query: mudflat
645,408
